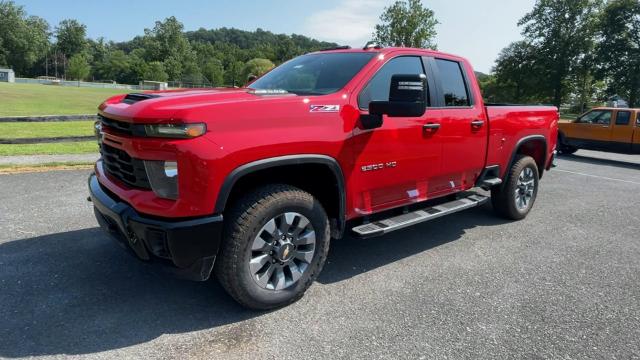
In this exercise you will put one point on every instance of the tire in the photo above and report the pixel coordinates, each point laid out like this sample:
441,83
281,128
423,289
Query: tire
508,199
565,149
256,222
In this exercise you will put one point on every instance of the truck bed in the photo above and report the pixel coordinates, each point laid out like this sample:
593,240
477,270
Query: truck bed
529,120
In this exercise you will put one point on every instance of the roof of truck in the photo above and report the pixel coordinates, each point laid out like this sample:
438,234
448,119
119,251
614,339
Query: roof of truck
385,50
615,108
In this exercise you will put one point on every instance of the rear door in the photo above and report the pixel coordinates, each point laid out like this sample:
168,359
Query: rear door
635,147
394,164
622,131
464,126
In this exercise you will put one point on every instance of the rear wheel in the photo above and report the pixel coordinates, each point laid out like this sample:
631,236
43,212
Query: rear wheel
515,198
276,242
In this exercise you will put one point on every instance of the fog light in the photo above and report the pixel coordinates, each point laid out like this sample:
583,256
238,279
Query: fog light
163,177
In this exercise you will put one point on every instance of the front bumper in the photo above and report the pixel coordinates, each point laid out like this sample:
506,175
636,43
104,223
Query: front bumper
187,248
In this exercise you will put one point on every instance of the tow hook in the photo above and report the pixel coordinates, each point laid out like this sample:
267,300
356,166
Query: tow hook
133,239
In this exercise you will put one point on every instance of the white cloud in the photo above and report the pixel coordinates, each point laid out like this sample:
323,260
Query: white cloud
350,23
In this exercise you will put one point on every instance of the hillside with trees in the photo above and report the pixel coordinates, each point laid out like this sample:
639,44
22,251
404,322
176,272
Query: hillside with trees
165,52
572,52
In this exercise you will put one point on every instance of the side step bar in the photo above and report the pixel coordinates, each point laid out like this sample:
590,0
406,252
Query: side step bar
385,226
490,182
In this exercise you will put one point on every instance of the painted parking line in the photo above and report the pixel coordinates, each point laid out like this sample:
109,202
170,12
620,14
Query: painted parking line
598,177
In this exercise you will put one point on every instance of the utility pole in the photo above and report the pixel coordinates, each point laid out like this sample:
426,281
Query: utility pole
55,61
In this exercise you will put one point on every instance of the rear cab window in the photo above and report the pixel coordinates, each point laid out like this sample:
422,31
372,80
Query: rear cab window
623,117
454,87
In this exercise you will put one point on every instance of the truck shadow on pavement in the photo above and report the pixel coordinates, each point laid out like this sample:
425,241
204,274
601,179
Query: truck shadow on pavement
599,161
351,256
78,293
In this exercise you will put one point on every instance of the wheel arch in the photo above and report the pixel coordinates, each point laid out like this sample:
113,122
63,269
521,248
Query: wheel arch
534,146
320,168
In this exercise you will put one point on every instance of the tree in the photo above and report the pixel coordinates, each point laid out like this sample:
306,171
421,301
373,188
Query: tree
79,68
407,23
256,67
213,71
562,31
155,72
517,74
115,66
71,37
23,39
618,52
233,73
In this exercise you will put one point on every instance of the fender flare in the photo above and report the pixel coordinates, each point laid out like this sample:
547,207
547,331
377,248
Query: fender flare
287,160
517,147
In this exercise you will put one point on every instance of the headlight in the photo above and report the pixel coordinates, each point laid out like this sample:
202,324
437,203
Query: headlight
181,131
163,177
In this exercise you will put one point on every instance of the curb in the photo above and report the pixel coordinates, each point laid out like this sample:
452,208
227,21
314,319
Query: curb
46,140
46,118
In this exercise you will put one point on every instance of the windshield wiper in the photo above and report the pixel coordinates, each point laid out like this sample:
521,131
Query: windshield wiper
268,91
308,92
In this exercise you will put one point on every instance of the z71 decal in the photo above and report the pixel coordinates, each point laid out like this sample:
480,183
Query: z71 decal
324,108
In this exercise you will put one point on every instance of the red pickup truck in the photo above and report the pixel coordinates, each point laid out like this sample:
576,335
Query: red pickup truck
252,183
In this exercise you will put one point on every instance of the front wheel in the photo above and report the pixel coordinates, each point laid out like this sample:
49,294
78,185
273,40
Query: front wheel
514,199
276,243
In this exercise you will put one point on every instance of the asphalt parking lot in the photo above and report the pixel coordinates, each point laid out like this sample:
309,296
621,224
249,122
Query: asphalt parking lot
563,283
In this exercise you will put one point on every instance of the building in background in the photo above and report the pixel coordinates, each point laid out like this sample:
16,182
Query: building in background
617,102
7,75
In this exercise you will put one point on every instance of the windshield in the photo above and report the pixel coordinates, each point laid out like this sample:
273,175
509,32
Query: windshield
314,74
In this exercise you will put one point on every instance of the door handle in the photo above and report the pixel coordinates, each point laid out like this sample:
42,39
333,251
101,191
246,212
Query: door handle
477,124
431,127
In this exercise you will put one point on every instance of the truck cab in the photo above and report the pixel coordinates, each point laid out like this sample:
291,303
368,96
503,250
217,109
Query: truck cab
602,129
251,184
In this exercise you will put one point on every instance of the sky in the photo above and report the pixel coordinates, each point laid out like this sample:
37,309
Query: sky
475,29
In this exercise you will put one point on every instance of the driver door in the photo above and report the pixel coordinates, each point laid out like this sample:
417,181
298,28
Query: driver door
395,164
593,130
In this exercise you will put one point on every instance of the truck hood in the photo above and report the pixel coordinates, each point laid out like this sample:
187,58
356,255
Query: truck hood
179,105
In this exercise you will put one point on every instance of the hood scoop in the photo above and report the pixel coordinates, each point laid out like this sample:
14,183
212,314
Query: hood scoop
136,97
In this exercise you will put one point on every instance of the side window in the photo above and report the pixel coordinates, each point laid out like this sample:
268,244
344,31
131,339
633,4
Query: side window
605,118
623,117
590,117
378,87
454,87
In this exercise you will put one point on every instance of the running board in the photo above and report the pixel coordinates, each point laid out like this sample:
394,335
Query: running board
490,182
385,226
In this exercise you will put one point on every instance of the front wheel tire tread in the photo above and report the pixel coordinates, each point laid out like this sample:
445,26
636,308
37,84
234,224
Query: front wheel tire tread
244,220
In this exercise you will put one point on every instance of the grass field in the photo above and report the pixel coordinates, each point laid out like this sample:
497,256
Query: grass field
25,130
35,99
81,147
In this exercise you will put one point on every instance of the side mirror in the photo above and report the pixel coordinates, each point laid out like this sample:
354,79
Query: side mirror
407,94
